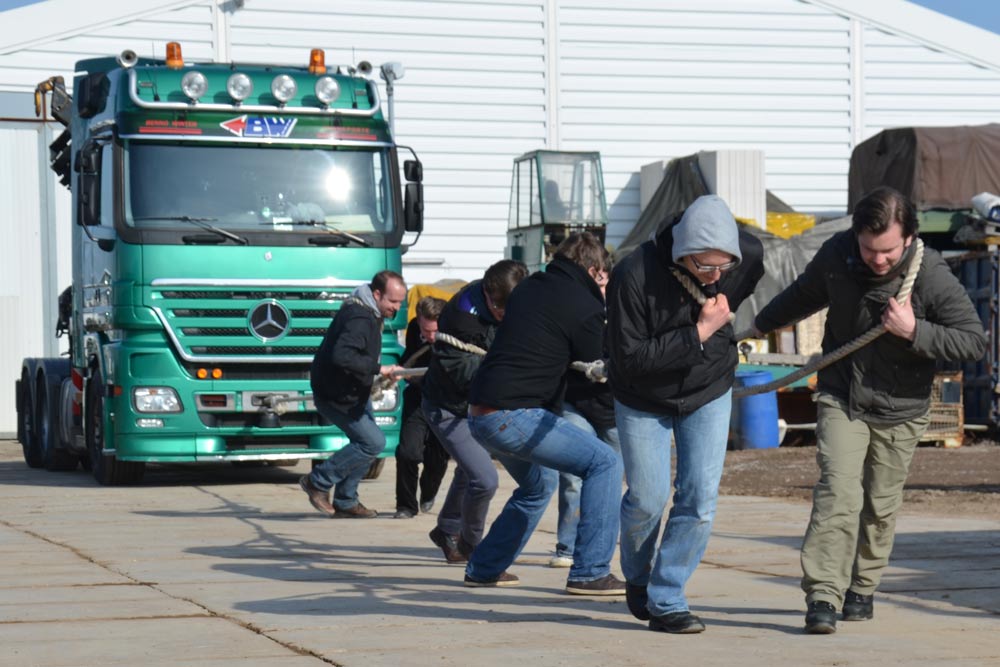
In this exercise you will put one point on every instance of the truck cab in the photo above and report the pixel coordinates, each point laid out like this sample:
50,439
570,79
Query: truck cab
221,214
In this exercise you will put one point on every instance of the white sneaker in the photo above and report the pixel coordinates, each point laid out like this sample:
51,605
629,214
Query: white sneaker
561,561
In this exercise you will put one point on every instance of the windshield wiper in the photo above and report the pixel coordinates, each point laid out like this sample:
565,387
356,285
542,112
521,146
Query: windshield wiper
200,222
326,227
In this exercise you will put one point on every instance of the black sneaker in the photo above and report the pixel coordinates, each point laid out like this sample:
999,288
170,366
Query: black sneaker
403,514
427,505
677,623
609,584
821,619
503,579
858,607
637,600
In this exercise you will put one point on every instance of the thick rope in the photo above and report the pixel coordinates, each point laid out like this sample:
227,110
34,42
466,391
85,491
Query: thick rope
693,289
847,348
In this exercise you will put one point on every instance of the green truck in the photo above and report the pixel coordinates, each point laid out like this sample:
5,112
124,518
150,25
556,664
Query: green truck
221,214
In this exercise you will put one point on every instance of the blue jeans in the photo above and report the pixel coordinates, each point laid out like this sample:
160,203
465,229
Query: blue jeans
532,444
570,484
346,467
701,451
475,481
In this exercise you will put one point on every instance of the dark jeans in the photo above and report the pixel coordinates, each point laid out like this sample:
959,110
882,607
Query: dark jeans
418,444
475,482
346,467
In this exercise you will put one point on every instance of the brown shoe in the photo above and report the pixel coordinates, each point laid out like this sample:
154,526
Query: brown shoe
317,498
449,545
502,580
359,511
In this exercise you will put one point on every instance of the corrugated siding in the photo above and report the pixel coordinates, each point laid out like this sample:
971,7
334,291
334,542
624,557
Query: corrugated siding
907,84
643,80
192,26
473,98
22,329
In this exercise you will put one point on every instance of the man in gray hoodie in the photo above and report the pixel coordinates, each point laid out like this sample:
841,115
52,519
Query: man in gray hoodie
672,366
343,372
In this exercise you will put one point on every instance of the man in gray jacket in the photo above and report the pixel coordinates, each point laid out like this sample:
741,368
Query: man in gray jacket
873,404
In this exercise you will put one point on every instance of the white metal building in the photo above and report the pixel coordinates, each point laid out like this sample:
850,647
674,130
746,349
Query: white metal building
486,80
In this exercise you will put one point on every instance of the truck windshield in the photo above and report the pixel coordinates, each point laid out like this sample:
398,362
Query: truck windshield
303,190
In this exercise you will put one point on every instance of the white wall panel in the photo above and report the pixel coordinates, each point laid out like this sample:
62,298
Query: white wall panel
24,263
148,36
644,81
906,83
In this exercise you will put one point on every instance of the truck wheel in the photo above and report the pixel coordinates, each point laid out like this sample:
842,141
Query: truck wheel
54,456
106,468
26,425
375,469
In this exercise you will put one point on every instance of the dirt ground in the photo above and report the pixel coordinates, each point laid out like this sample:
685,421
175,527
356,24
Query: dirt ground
963,481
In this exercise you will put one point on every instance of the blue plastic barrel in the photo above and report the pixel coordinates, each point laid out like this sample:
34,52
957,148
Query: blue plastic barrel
755,417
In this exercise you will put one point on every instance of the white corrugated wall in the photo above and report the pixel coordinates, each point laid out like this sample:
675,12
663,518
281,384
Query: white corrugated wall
642,80
34,261
906,84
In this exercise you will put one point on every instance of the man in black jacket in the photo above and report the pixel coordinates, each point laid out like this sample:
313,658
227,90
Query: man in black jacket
343,372
417,443
872,406
672,367
553,318
472,317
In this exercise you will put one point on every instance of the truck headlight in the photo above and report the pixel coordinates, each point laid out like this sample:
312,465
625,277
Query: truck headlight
283,88
194,85
388,402
155,399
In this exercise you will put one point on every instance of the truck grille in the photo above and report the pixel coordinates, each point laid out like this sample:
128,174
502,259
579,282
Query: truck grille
276,326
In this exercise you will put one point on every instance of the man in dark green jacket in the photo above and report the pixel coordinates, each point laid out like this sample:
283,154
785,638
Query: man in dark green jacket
873,404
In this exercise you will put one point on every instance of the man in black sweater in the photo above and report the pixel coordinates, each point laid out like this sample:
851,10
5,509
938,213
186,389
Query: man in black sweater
552,319
343,372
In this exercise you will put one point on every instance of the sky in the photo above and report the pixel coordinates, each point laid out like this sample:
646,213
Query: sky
983,13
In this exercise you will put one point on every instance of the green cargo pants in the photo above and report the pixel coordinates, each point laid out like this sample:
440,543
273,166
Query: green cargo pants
863,468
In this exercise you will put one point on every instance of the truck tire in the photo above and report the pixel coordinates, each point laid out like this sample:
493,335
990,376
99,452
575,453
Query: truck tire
26,423
375,469
54,456
106,468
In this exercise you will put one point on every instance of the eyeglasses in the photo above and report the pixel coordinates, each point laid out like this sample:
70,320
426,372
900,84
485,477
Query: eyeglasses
712,268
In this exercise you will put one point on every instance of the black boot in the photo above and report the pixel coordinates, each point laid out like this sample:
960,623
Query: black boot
636,598
821,619
858,607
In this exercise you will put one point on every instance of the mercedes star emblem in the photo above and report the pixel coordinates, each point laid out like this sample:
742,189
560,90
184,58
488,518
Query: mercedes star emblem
268,321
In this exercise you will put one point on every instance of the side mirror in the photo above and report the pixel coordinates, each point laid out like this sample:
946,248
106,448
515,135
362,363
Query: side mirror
413,170
89,194
413,207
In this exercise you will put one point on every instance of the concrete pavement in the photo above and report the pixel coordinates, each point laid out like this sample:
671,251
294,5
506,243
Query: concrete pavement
218,567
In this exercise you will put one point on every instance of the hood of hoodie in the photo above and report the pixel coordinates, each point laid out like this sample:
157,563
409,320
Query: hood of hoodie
707,224
363,293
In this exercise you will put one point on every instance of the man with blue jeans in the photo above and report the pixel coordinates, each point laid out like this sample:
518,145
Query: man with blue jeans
570,485
553,318
342,375
672,366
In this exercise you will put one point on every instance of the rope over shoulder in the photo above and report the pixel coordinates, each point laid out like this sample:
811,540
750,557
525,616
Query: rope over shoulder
902,296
